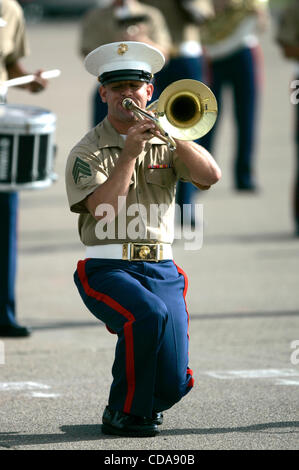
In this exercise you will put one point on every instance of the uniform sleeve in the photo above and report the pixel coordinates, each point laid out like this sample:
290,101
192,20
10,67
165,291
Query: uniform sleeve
82,178
183,172
180,169
21,48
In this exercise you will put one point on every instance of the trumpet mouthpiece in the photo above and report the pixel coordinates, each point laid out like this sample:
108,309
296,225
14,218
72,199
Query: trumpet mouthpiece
127,103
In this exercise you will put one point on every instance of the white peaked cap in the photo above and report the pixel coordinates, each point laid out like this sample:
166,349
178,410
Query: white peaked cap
124,60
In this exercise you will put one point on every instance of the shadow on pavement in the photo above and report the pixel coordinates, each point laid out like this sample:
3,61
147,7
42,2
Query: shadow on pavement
193,316
85,432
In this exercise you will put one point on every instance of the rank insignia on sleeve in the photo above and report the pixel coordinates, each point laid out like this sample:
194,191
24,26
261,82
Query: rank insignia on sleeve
81,169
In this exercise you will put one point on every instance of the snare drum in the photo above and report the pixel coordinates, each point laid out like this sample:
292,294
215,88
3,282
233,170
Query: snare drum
26,147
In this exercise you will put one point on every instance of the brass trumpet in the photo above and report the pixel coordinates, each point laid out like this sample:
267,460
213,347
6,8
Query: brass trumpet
128,103
185,110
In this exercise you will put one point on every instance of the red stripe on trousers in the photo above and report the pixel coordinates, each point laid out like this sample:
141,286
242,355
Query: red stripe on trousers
191,380
180,271
128,331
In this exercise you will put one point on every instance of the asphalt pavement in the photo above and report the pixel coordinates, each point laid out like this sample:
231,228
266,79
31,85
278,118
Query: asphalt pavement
242,299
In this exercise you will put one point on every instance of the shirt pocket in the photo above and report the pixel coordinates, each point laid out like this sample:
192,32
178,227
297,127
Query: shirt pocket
163,177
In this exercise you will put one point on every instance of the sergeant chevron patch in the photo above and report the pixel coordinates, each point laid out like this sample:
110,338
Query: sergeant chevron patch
81,169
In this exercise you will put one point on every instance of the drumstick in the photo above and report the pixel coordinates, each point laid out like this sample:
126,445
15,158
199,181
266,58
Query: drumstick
30,78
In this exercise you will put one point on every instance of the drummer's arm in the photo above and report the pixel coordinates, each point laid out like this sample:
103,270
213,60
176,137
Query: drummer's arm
16,69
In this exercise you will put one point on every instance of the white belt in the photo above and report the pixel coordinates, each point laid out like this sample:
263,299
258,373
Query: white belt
131,251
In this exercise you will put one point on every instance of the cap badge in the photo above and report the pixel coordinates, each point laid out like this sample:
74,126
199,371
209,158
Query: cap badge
122,49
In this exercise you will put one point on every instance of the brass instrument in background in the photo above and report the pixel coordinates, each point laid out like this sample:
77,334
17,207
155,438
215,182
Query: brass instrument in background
225,22
185,110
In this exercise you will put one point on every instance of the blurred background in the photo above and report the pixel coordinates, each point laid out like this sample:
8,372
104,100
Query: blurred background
35,10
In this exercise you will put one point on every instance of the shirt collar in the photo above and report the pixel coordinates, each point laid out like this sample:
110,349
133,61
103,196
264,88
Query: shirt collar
108,136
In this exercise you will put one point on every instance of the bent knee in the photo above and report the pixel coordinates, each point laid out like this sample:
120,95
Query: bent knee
153,310
178,389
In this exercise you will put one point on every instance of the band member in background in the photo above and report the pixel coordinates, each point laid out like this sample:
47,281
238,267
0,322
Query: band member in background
288,39
123,20
184,18
234,60
129,280
13,46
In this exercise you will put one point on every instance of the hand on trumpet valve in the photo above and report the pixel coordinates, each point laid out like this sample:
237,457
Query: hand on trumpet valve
141,114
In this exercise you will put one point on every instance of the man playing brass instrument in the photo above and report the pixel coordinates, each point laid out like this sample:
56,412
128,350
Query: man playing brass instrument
132,283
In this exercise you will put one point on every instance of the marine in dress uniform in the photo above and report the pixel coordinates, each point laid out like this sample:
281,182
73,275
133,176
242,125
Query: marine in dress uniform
128,278
288,38
13,46
120,21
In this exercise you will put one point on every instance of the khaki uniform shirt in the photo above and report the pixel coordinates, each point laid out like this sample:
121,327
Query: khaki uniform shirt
151,185
13,43
100,26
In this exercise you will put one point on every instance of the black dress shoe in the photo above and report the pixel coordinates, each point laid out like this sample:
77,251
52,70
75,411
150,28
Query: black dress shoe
15,331
157,417
123,424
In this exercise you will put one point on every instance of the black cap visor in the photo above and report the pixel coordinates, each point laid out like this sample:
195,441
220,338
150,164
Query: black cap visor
119,75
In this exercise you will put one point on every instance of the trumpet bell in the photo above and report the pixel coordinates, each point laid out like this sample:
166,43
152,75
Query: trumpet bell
186,109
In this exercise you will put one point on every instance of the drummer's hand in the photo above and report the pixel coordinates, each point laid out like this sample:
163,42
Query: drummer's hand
38,84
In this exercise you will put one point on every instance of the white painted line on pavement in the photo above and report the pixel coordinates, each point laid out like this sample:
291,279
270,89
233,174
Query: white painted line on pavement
253,374
28,386
44,395
16,386
287,382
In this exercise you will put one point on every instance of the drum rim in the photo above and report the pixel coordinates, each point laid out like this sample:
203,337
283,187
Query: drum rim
40,184
40,121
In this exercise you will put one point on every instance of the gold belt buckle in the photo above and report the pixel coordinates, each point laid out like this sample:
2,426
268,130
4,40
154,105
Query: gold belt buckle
143,251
